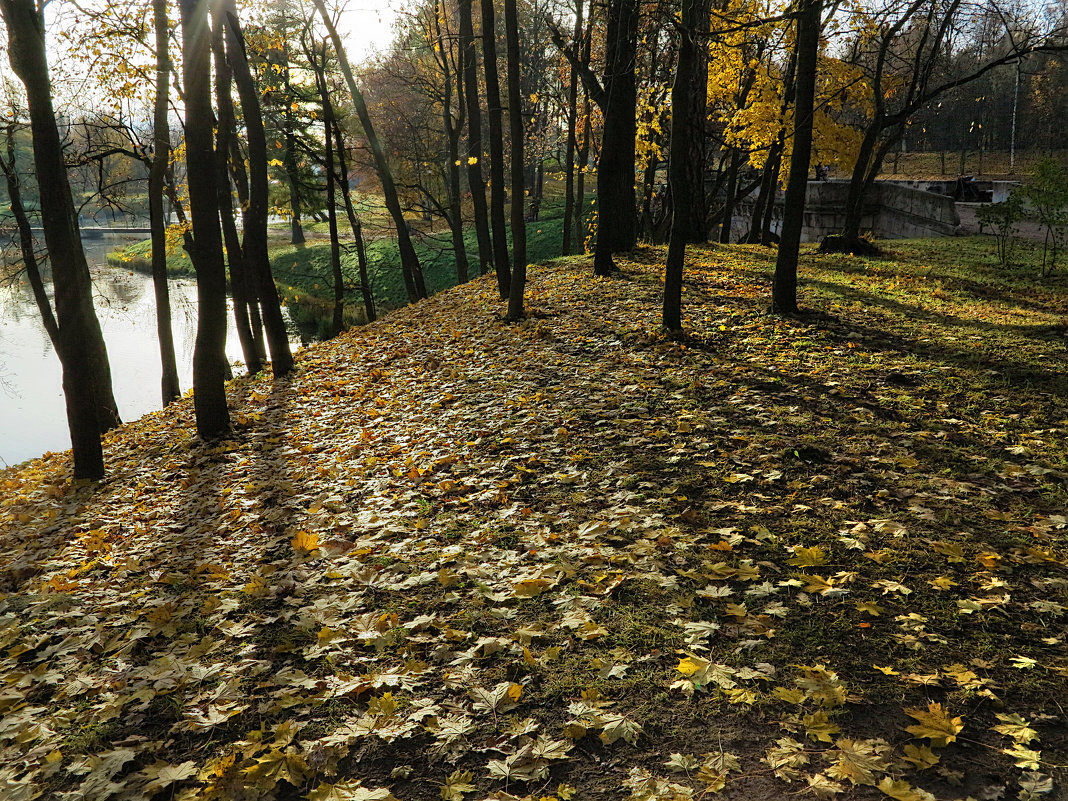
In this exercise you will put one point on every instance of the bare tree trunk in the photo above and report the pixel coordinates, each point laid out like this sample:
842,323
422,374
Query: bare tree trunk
515,123
784,287
255,230
682,189
161,156
727,214
226,131
240,179
296,231
354,220
496,145
26,246
616,219
205,249
583,150
475,182
572,142
453,127
413,273
86,373
337,324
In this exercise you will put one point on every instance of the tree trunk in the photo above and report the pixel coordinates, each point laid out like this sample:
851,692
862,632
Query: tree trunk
413,274
515,123
784,287
354,220
583,158
86,374
296,231
255,217
157,176
616,220
854,205
679,174
453,126
226,131
338,322
209,353
697,211
26,245
475,182
727,214
496,145
240,178
572,141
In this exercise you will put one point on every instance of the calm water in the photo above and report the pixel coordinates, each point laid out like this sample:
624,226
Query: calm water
32,415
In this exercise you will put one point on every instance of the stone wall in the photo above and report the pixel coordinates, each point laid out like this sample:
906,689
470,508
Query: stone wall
891,211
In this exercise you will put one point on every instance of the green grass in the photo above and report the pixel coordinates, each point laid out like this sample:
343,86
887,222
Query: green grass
138,256
304,277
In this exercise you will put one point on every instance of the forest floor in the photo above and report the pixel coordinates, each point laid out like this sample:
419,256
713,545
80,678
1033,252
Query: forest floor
451,558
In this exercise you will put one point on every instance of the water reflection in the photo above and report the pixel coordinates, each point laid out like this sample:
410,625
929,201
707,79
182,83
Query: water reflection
32,414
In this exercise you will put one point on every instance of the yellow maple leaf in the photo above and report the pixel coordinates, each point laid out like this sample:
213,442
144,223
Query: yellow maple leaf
858,761
1025,758
305,541
921,756
807,557
903,791
935,723
1016,727
457,784
819,727
528,588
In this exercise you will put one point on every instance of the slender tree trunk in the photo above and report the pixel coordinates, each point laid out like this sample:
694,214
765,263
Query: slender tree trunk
338,321
240,178
226,131
86,389
784,288
296,230
616,220
453,126
413,274
572,141
469,67
495,113
354,220
727,214
26,246
583,158
679,177
515,123
766,200
209,353
161,137
854,206
255,217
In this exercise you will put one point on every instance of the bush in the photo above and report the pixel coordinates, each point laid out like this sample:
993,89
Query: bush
1003,219
1047,192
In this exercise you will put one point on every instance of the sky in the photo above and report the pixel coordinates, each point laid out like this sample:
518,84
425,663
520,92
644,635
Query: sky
366,25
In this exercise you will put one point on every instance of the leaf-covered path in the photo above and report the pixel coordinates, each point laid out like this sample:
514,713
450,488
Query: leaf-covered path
452,558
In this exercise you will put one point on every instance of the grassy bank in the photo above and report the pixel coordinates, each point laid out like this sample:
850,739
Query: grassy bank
304,277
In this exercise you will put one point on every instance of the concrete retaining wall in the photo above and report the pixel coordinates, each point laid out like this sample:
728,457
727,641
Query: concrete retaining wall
891,211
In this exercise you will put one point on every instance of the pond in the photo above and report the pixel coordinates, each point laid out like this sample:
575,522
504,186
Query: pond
32,414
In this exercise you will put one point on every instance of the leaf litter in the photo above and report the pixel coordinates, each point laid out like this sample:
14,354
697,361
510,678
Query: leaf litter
571,558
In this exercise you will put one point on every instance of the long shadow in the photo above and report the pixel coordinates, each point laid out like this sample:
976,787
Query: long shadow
908,310
1052,379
